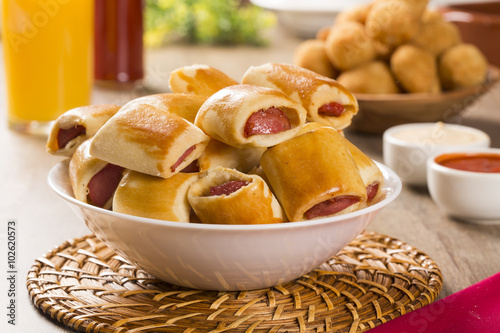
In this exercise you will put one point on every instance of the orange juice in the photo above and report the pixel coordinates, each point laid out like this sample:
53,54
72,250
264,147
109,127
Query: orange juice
48,59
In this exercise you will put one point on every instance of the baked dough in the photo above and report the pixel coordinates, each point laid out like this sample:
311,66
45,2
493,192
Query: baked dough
184,105
225,114
153,197
148,140
310,169
199,80
83,168
311,90
77,125
253,203
219,154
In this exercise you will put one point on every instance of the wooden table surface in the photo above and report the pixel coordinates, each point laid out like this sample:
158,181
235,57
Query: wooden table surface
465,253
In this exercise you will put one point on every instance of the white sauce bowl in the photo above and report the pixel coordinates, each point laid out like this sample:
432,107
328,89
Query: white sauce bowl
407,147
466,195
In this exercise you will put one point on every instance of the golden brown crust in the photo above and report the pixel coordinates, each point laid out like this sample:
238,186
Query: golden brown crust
82,167
146,139
310,89
311,54
220,154
224,115
325,170
371,78
461,66
184,105
251,204
91,117
153,197
199,80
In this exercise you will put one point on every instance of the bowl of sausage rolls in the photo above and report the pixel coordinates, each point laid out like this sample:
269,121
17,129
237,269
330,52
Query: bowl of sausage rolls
220,184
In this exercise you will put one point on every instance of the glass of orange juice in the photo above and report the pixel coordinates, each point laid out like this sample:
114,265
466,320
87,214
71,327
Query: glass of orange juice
48,52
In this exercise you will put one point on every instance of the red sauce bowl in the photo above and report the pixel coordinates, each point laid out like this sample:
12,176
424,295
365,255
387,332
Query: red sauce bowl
466,185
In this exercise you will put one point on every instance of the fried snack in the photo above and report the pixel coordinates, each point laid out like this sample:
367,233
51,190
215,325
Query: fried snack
415,69
436,36
311,54
325,100
245,116
93,181
461,66
323,33
220,154
184,105
153,197
146,139
392,22
77,125
348,45
199,80
372,78
226,196
354,14
418,7
320,158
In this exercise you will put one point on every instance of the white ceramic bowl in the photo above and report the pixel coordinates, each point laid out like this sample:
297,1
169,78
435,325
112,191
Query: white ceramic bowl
305,18
469,196
408,159
223,257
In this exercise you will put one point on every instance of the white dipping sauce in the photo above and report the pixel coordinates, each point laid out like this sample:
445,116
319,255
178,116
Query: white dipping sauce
440,134
407,147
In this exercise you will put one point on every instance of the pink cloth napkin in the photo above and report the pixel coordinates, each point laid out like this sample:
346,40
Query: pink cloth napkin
475,309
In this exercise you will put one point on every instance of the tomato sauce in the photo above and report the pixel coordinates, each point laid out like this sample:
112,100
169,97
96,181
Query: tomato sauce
480,162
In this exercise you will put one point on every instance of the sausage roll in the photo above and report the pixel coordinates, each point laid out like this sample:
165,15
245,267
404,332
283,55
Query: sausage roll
226,196
246,116
325,100
199,80
77,125
369,171
184,105
94,181
219,154
314,175
148,140
153,197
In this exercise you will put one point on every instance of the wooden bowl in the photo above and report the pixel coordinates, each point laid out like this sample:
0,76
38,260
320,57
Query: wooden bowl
379,112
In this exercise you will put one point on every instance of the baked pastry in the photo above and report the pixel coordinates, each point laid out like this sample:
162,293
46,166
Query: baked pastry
325,100
184,105
77,125
153,197
93,181
199,80
226,196
220,154
148,140
246,116
368,170
314,175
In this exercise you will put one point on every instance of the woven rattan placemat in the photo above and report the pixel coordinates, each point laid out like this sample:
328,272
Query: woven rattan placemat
86,286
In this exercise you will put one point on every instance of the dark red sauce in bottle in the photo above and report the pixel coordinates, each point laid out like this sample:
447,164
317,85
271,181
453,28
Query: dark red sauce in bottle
119,40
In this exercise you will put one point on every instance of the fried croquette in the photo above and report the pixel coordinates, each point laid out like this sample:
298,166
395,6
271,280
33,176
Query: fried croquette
415,69
311,54
372,78
392,22
463,65
348,46
437,36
